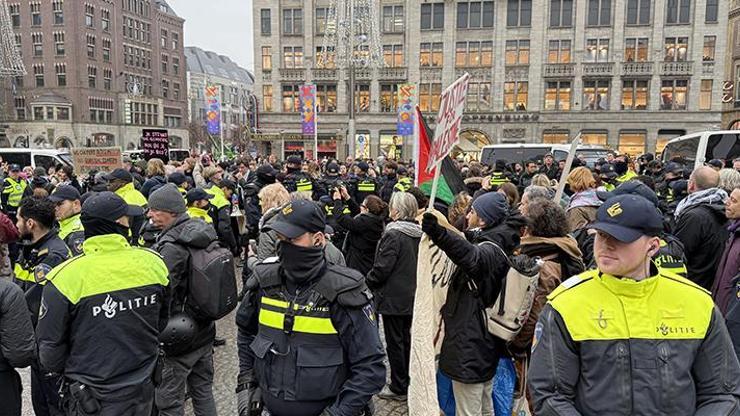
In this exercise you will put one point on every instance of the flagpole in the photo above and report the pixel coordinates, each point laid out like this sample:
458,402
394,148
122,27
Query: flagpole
316,130
437,169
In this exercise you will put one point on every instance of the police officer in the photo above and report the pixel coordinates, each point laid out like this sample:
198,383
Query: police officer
331,182
295,179
199,202
42,251
181,181
68,206
121,182
622,169
220,212
404,182
265,176
362,185
308,335
15,188
499,176
101,316
630,338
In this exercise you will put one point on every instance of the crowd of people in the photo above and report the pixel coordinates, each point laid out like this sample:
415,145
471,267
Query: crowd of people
638,262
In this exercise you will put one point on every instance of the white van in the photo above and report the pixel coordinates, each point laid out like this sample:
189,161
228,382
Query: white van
35,157
699,148
518,153
175,154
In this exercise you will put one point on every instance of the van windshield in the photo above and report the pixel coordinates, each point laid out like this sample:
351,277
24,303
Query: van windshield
685,149
723,146
511,155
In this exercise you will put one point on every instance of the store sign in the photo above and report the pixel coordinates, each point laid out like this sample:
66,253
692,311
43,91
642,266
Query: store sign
446,134
213,106
406,103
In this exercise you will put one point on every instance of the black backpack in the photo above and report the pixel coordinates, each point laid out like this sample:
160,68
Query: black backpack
212,292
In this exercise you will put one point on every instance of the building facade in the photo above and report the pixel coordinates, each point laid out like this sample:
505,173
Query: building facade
731,85
628,74
98,73
237,101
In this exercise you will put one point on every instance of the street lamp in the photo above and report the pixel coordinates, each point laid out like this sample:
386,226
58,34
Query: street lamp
352,31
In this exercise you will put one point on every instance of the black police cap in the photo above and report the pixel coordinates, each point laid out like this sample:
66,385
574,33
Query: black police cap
121,175
197,194
65,193
627,218
297,218
109,206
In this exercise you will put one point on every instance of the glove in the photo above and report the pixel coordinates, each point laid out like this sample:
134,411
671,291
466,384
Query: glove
248,396
430,226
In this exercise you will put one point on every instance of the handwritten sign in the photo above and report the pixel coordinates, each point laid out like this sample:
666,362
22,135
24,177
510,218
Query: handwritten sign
155,144
451,108
101,159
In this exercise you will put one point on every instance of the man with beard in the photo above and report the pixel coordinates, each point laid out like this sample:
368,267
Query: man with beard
42,251
308,335
68,206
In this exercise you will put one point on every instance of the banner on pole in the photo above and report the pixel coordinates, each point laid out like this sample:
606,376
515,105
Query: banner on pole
308,108
406,103
213,106
452,105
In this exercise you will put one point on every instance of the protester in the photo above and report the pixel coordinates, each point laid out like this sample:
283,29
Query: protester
729,179
8,235
155,176
728,268
532,193
272,199
393,282
509,190
584,202
459,210
364,228
17,345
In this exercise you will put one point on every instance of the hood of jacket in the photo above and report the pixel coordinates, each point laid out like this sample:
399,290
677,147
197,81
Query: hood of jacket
190,232
585,198
269,216
504,235
534,245
409,228
711,196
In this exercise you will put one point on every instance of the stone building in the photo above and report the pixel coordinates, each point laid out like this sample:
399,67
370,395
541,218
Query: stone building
629,74
99,72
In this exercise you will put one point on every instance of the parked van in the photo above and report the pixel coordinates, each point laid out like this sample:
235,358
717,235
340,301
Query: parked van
699,148
519,153
175,154
46,158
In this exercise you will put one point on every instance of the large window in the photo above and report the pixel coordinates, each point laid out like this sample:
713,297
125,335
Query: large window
106,50
362,98
267,98
105,20
432,16
321,15
705,95
38,73
15,15
558,52
266,58
388,98
596,95
557,96
599,13
673,94
473,54
36,14
555,136
517,52
89,15
595,137
678,11
712,11
291,98
518,13
429,96
265,22
107,79
676,49
61,70
38,44
393,56
638,12
326,98
561,13
92,76
710,43
57,7
474,14
635,94
293,57
516,95
393,19
326,59
430,54
597,50
632,143
636,49
479,96
292,21
91,46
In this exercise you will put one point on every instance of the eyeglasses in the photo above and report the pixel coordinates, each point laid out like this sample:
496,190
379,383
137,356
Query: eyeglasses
363,206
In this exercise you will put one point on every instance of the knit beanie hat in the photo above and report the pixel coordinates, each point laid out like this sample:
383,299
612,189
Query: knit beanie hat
491,208
167,198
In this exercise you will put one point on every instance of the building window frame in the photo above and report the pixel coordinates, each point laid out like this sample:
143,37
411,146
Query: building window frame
597,50
676,49
432,16
596,94
393,56
519,13
35,14
388,98
709,49
293,57
431,54
561,13
639,12
393,20
636,49
558,95
89,16
429,96
517,52
674,94
599,13
37,39
265,22
474,54
705,94
516,95
559,51
61,72
635,94
57,9
475,15
678,12
293,21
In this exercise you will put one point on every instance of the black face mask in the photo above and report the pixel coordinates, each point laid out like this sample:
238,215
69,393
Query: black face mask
97,226
300,264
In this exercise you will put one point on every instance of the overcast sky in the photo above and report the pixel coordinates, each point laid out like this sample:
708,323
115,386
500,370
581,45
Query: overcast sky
221,26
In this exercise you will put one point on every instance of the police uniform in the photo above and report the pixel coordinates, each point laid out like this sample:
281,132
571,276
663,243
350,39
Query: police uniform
132,197
198,194
403,185
362,187
70,229
313,349
298,181
498,179
34,263
607,345
13,191
220,211
100,320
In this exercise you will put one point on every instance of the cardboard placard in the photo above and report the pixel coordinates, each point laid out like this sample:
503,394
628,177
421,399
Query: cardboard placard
87,159
155,144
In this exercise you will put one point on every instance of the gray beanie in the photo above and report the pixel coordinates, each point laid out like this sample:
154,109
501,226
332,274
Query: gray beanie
167,198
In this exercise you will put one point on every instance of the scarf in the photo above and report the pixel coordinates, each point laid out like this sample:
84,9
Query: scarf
708,196
585,198
410,229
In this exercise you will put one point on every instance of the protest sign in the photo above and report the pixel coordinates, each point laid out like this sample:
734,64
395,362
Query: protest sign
101,159
155,143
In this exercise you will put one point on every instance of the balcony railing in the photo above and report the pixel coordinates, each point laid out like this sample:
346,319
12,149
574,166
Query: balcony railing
363,74
293,74
707,68
559,70
637,68
598,69
392,73
324,74
430,74
677,68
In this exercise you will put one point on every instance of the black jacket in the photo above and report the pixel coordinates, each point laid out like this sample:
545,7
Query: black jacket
386,191
364,232
469,352
393,276
152,184
17,340
552,172
172,244
702,230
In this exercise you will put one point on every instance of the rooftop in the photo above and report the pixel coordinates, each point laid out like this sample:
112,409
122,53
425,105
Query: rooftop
211,63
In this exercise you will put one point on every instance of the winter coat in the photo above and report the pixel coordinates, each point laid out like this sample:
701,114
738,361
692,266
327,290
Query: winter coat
363,233
728,270
469,352
551,172
582,209
172,244
701,229
8,234
267,241
17,339
152,184
393,276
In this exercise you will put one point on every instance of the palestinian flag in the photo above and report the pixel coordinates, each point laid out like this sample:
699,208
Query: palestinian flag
450,180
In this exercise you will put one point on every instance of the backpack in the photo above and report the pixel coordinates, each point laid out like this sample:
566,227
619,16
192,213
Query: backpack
511,310
212,292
